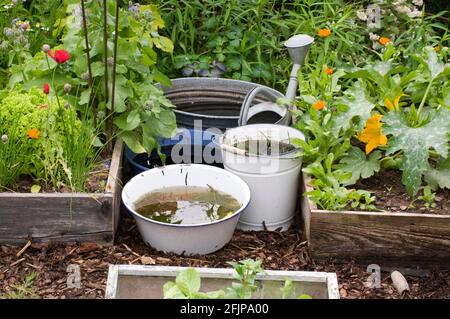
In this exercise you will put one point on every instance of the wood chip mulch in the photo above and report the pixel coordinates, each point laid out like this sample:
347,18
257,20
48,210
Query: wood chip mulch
284,251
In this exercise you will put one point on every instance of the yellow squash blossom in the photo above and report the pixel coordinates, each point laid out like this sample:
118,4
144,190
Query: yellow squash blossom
392,106
372,135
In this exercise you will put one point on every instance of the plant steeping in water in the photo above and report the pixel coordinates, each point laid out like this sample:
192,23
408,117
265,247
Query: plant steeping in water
187,205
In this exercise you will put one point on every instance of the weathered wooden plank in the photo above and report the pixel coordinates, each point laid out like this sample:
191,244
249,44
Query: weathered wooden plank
305,210
377,237
114,184
46,217
381,237
63,217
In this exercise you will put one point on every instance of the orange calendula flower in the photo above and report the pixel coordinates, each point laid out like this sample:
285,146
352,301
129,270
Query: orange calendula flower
329,71
319,105
392,106
323,33
372,135
384,41
34,133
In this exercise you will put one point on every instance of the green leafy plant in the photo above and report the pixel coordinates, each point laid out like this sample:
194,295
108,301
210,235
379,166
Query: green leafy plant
287,291
141,113
415,143
439,177
415,131
53,144
323,152
36,125
360,165
354,108
378,109
329,191
187,286
246,271
27,16
188,283
428,197
14,154
24,290
246,37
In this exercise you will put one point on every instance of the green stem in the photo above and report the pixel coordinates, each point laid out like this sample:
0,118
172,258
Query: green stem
20,61
54,87
422,103
48,62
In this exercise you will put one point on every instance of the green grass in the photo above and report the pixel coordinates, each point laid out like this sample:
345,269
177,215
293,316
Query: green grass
24,290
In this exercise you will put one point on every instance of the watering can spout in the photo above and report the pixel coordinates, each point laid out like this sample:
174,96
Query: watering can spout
298,46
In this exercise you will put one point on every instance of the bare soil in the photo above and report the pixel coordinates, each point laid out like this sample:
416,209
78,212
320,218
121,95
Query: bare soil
391,195
95,183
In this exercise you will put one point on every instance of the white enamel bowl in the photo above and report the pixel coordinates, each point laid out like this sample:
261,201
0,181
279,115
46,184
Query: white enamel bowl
184,238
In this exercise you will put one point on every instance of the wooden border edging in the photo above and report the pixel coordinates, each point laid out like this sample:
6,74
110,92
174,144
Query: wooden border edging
64,217
400,239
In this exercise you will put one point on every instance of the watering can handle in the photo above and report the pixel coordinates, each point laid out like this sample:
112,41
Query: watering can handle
243,115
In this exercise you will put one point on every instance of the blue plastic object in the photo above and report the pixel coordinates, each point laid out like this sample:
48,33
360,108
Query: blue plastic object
186,146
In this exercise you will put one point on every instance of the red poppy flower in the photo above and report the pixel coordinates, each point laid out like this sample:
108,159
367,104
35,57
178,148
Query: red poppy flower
46,88
60,56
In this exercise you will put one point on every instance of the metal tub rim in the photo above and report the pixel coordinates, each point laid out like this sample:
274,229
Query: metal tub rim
229,91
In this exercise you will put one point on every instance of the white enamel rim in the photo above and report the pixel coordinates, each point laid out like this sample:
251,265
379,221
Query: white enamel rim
237,179
295,153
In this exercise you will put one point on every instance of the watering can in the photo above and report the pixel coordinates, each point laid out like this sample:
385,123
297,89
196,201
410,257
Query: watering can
297,46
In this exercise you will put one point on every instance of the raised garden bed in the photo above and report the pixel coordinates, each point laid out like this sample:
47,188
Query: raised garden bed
385,238
136,281
64,217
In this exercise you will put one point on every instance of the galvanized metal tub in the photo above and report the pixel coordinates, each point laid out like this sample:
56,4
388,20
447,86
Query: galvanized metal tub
273,180
217,103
